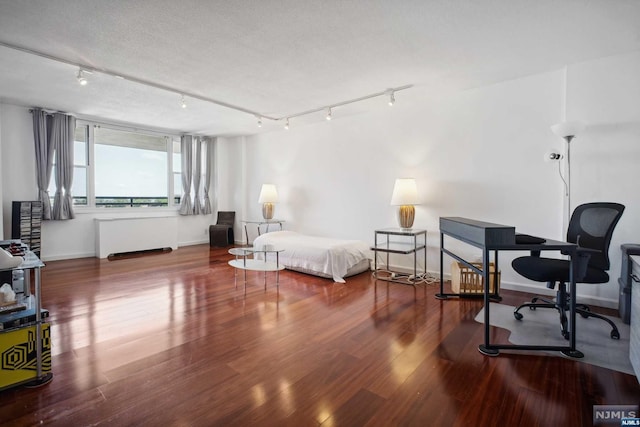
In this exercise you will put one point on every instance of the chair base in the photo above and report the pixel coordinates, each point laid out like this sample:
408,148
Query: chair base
561,304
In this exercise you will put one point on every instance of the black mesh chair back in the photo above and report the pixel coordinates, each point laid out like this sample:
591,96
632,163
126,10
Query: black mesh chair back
591,226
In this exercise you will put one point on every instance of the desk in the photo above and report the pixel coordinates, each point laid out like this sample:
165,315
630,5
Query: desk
260,223
495,237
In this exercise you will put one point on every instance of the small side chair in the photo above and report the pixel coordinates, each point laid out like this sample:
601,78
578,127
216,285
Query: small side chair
221,233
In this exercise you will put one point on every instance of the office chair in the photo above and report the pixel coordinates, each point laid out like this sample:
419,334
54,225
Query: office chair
591,227
221,233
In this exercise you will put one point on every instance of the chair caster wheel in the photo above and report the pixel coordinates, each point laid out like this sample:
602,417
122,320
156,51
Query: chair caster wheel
532,307
517,315
615,335
566,335
584,316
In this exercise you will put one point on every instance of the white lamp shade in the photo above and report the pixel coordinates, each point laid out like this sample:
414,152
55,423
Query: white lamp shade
405,192
564,129
268,194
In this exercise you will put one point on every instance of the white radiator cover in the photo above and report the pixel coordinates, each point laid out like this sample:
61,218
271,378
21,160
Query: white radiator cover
118,235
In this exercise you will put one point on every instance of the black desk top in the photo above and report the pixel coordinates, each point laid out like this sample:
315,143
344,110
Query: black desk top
493,236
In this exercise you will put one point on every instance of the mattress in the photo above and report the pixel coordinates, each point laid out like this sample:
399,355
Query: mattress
321,256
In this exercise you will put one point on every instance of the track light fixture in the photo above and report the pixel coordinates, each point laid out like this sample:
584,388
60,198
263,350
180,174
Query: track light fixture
259,121
81,78
286,124
328,113
82,71
392,98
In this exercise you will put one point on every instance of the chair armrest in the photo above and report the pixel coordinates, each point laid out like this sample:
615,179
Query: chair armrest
582,259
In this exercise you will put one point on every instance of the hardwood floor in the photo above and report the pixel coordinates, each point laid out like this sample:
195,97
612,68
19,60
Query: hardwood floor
168,340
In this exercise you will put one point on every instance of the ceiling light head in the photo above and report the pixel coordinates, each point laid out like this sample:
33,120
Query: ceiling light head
286,124
328,113
81,77
182,102
552,156
392,98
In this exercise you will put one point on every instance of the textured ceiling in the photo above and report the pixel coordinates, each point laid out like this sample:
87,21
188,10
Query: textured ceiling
282,57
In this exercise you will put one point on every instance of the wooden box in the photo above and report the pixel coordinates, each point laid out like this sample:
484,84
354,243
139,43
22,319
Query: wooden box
466,281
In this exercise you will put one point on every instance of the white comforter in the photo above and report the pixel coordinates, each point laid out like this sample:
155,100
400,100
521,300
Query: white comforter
332,257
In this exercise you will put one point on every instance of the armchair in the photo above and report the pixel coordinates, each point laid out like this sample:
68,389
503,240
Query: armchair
591,227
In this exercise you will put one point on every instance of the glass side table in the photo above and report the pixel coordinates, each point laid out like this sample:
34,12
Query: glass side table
245,260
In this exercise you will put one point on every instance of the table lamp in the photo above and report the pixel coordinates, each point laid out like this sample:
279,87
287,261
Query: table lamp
405,195
268,196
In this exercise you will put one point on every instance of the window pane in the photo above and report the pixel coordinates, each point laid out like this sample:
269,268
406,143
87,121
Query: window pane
177,184
177,158
130,169
79,191
80,146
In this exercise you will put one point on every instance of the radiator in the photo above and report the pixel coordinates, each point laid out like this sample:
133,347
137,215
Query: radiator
119,235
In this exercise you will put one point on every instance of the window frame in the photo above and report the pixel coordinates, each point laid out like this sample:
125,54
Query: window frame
91,206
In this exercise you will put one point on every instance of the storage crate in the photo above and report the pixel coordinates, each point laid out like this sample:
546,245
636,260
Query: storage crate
466,281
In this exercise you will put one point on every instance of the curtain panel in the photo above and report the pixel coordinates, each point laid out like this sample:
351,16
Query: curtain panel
193,150
186,154
53,136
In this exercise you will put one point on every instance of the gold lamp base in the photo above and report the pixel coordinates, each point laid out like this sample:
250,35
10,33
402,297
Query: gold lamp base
267,210
406,214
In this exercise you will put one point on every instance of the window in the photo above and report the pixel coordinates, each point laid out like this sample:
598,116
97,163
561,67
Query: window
177,172
124,168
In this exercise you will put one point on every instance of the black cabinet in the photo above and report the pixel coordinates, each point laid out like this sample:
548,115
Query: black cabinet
26,221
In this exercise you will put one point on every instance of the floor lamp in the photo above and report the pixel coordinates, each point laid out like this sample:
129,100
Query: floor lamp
568,131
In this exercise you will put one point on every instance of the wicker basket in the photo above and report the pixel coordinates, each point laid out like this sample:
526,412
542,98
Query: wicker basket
466,281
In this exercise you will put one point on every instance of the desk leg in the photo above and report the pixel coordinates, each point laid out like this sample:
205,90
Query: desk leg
572,352
486,347
278,268
441,295
246,234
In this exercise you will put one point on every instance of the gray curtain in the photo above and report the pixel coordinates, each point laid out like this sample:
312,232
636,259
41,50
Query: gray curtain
208,150
44,159
186,153
197,170
62,138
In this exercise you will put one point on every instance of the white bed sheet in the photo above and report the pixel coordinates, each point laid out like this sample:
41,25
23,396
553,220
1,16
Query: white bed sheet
332,257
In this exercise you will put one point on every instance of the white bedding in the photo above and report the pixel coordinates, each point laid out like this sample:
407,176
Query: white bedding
327,256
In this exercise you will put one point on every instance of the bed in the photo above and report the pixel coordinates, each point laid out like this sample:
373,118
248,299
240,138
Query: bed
321,256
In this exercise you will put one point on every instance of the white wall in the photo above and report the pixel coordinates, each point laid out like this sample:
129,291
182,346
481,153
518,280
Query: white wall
476,154
74,238
605,161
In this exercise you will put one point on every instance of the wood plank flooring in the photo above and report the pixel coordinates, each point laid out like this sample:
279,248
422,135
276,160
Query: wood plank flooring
169,340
